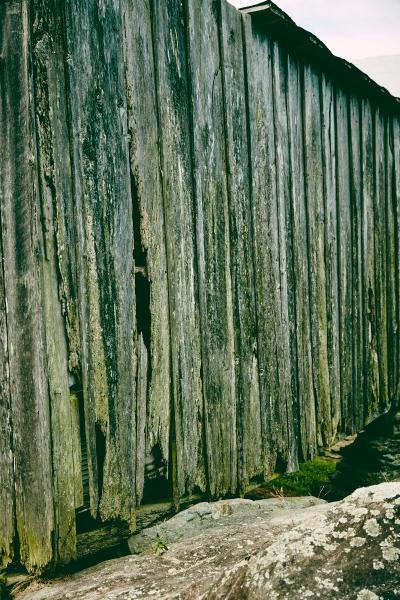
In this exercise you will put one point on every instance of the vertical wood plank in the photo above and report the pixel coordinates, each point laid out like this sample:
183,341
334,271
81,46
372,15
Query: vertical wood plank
54,171
213,246
174,110
7,498
316,237
396,210
102,186
288,366
380,246
329,150
245,322
392,300
358,369
21,263
344,260
369,303
306,400
144,134
266,255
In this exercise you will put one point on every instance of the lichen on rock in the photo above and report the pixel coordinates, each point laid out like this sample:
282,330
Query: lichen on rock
281,548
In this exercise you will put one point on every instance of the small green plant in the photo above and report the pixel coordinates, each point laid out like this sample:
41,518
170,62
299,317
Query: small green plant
278,492
159,546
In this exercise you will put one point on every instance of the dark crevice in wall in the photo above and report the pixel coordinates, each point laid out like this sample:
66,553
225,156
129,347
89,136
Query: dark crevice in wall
364,292
101,455
143,314
75,388
157,484
84,519
281,464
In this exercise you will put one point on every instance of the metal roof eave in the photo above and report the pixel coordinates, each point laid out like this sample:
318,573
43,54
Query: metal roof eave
279,25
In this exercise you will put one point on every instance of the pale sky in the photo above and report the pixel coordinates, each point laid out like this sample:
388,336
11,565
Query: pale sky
351,29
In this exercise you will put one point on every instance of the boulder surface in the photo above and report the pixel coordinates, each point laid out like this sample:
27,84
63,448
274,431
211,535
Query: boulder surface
278,549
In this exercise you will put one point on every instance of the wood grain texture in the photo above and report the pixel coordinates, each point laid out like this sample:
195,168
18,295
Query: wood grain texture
177,179
244,311
396,209
54,181
287,349
213,245
266,256
104,222
358,368
344,260
392,289
199,244
380,245
7,497
329,159
22,258
316,236
306,402
370,301
143,129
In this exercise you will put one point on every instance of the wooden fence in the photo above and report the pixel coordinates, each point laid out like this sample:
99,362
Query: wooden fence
200,258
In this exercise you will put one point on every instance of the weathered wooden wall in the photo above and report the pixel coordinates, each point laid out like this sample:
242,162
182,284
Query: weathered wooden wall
200,235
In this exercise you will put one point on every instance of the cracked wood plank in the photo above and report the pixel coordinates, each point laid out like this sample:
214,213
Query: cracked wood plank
344,260
104,231
169,25
250,463
144,137
306,400
284,176
213,246
266,257
316,235
22,258
329,159
369,301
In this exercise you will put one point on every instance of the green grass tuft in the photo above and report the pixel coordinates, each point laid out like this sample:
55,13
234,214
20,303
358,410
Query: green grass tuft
312,479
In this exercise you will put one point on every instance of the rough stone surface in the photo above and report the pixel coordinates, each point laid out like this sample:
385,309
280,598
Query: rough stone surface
216,516
273,549
349,549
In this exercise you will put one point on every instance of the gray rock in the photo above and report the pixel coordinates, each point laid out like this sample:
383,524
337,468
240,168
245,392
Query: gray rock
347,550
213,515
273,549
